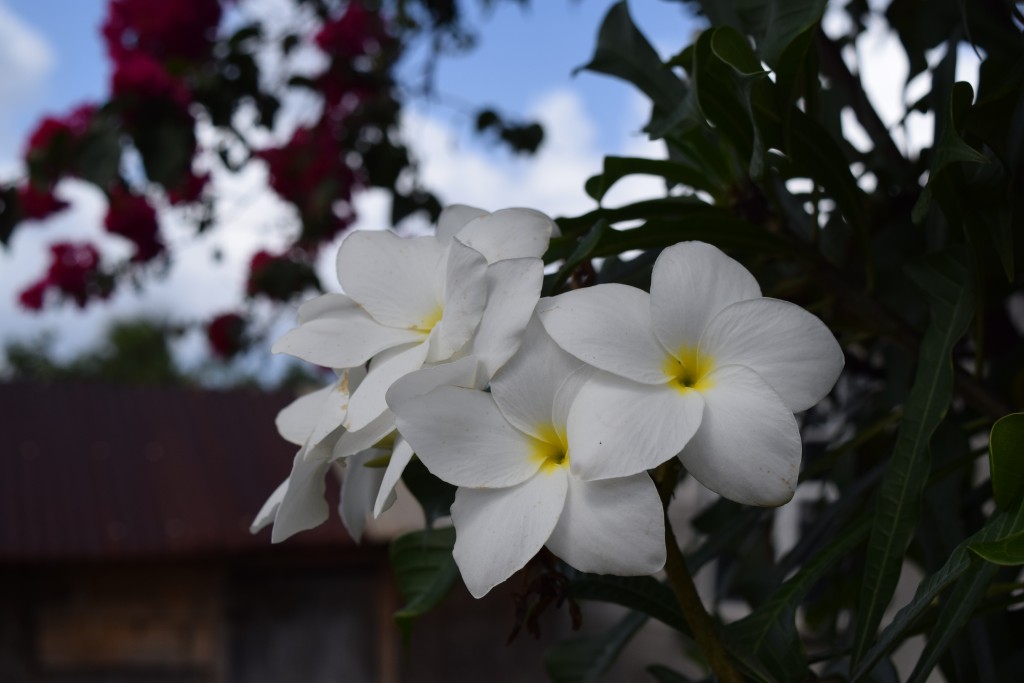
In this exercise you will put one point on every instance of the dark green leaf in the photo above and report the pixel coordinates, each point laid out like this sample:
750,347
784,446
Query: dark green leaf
99,157
672,222
733,49
10,212
581,253
663,674
948,283
717,98
774,24
425,571
1008,551
434,496
956,610
1006,459
586,658
1001,526
616,168
769,633
642,593
951,147
623,52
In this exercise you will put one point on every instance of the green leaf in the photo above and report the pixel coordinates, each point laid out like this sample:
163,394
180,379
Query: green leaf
98,158
950,148
642,593
672,222
581,253
1006,459
950,289
787,20
663,674
816,154
769,632
717,97
616,168
434,496
774,24
1000,527
668,207
1008,551
425,571
956,610
623,52
733,49
585,659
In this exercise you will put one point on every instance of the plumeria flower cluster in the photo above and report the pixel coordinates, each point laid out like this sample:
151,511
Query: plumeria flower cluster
547,414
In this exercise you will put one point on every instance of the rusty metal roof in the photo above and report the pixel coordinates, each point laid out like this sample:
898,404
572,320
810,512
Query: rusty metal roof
100,472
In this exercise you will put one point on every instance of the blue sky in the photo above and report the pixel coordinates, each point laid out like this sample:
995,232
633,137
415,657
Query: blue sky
523,65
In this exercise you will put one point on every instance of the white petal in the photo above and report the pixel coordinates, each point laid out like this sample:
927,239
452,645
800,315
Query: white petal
302,506
453,218
343,341
298,419
334,407
393,278
509,233
265,516
513,289
618,427
367,402
790,348
498,531
748,446
691,282
567,392
463,372
359,489
609,327
349,443
329,305
401,456
462,438
464,300
525,388
614,526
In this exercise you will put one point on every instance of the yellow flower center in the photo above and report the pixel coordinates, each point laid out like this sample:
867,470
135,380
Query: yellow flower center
688,370
550,451
428,322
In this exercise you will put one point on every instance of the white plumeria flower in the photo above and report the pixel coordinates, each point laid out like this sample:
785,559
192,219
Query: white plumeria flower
422,300
313,421
703,361
509,452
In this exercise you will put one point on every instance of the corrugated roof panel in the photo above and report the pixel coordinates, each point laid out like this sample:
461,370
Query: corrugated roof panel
91,471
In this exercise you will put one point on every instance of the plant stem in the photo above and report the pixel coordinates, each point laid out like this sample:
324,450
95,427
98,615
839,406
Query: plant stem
704,629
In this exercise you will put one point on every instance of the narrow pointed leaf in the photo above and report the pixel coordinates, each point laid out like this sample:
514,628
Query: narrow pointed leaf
949,286
956,610
585,659
769,633
1006,459
1008,551
642,593
1000,527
